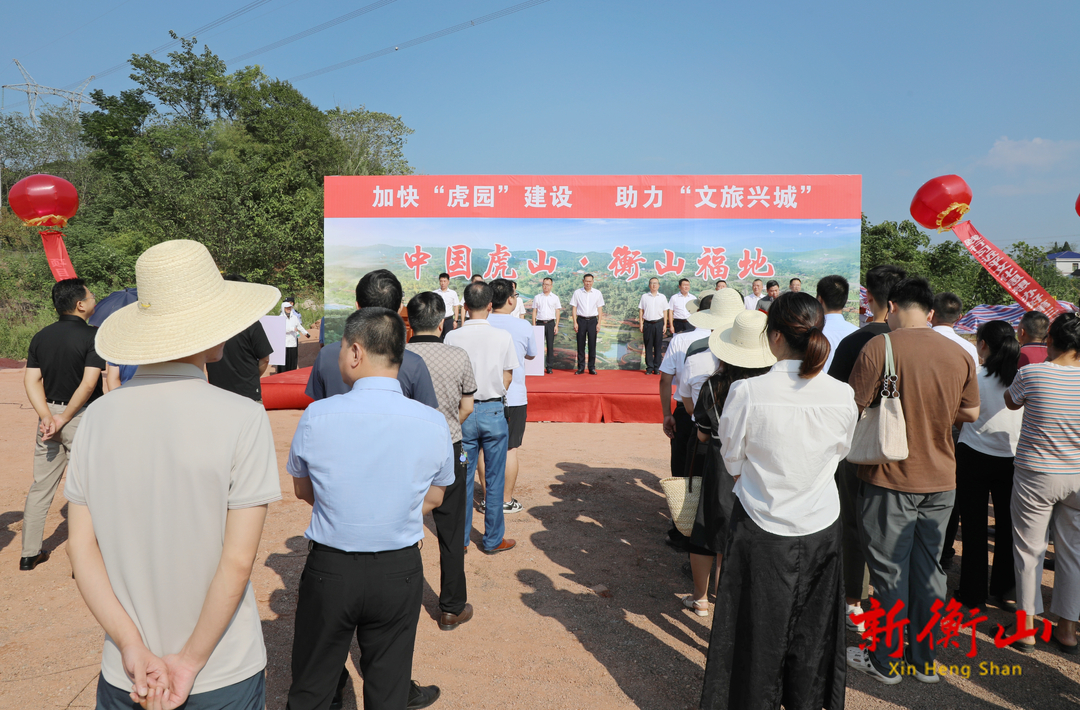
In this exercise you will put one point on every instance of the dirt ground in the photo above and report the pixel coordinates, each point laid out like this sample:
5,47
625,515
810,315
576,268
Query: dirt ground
541,637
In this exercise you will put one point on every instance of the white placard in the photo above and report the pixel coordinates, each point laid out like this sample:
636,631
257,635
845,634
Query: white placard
536,365
274,326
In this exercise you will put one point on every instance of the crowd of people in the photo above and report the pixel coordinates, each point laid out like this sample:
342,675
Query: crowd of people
793,537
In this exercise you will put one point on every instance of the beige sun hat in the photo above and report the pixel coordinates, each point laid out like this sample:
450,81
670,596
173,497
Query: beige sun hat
721,312
744,343
184,307
693,306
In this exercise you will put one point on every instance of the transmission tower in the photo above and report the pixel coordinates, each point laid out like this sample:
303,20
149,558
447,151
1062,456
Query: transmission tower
33,90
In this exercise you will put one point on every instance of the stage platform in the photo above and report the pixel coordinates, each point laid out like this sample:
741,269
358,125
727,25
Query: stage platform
626,396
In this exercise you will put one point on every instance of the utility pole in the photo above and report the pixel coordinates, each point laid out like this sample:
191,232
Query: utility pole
33,90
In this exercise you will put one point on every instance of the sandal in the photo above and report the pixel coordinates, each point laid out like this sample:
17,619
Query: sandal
1064,647
698,606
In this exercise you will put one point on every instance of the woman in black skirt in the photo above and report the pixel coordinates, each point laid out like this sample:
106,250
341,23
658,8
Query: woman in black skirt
778,631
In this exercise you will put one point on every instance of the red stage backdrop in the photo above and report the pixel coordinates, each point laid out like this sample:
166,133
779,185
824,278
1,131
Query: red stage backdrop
1007,272
621,229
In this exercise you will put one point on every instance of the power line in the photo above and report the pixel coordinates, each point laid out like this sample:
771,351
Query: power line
168,45
53,41
313,30
420,40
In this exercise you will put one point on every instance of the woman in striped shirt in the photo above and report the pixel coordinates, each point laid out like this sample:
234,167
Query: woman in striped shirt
1047,481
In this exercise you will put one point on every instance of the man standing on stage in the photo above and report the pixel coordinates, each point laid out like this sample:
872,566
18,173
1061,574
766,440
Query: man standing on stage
546,311
587,310
652,322
63,375
450,299
677,304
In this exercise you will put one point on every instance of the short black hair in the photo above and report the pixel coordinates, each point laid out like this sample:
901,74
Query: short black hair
547,278
476,277
881,279
770,283
914,291
948,307
444,275
477,296
721,281
426,311
1035,324
501,291
379,289
379,331
235,277
705,303
755,281
683,280
653,278
833,292
587,276
1064,332
794,280
66,295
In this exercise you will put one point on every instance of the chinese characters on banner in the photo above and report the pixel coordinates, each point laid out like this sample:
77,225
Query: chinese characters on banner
1007,272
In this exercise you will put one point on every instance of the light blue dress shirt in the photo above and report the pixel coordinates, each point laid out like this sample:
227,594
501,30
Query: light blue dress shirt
522,332
371,455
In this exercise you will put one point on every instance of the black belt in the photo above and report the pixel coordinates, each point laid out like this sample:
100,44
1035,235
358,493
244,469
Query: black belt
496,399
588,317
682,319
658,320
319,547
57,402
545,322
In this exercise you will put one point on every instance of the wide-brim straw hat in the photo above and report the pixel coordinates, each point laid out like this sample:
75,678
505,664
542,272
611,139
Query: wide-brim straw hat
694,306
744,343
184,307
725,306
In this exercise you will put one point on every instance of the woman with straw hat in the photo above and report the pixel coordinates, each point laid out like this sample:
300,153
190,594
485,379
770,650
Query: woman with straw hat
748,356
778,634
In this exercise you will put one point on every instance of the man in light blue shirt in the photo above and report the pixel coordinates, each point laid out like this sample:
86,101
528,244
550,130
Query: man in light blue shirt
832,293
364,574
503,302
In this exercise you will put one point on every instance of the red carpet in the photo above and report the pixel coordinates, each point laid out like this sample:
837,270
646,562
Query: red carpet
610,396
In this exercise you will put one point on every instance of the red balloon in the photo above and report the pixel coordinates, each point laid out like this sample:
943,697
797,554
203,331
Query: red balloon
1078,205
941,203
44,200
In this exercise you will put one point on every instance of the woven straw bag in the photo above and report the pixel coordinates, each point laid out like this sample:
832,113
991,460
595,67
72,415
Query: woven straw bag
881,433
683,495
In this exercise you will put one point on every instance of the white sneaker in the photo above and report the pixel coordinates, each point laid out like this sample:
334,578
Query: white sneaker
859,659
513,506
851,625
931,677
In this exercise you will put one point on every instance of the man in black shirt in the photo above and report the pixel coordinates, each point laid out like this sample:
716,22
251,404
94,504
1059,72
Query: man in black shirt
879,281
63,375
244,360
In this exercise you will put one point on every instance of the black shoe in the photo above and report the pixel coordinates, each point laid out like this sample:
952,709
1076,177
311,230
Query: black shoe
343,680
421,696
547,370
28,563
592,371
1048,563
579,372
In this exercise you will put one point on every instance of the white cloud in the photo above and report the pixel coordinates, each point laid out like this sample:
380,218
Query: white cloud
1034,154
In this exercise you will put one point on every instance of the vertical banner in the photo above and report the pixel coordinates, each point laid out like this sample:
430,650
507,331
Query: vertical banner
623,230
57,255
1007,272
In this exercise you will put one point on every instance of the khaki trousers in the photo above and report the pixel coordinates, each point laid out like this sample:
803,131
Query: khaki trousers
1036,498
50,460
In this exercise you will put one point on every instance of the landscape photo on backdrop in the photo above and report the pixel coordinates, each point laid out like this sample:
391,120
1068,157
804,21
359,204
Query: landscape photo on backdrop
622,229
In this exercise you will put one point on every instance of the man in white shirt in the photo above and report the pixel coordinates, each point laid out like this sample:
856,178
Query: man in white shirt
677,303
503,301
586,309
519,307
948,308
491,352
546,311
757,295
699,363
721,284
832,294
678,426
653,313
453,305
795,285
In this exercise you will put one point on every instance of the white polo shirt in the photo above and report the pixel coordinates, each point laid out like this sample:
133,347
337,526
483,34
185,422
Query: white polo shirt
450,298
676,351
546,305
587,302
698,365
491,352
948,332
653,307
519,307
751,301
678,305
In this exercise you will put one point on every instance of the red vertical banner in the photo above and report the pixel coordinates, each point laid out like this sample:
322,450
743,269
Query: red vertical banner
1007,272
56,253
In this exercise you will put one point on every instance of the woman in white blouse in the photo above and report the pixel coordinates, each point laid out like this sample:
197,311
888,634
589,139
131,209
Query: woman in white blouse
293,328
984,469
778,631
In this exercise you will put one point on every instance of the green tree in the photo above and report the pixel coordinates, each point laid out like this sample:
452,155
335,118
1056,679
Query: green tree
372,143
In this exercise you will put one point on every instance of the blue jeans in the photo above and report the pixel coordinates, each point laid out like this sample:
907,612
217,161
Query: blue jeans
486,428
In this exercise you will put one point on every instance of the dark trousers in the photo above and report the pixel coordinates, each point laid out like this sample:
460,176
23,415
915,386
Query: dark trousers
949,551
377,596
586,329
856,575
652,334
450,528
447,326
680,324
684,431
292,356
248,694
549,341
980,477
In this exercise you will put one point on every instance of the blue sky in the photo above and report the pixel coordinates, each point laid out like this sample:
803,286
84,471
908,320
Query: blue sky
897,92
